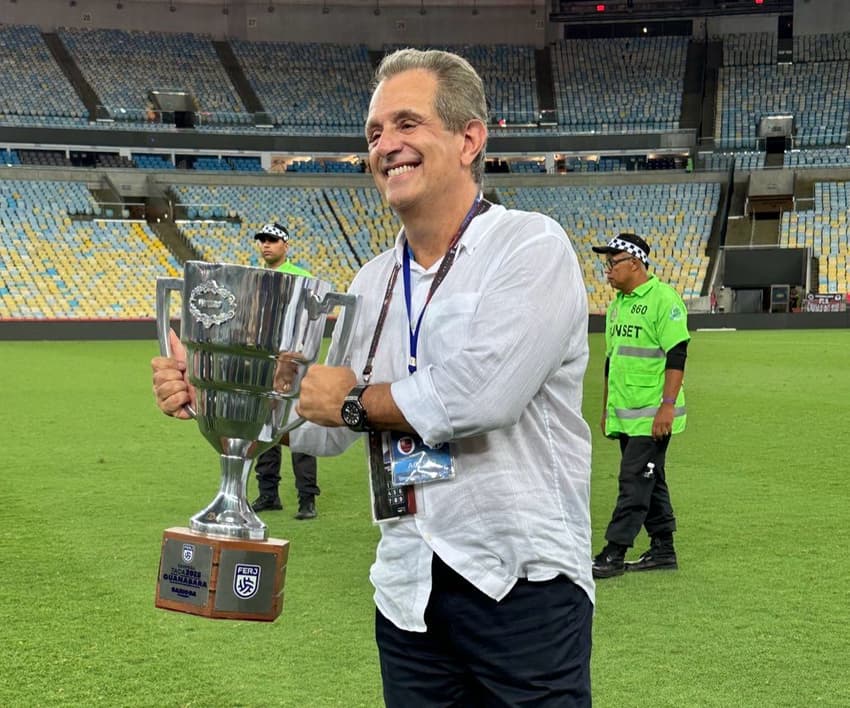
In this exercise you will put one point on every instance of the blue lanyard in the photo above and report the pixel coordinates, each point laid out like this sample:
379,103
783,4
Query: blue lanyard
478,206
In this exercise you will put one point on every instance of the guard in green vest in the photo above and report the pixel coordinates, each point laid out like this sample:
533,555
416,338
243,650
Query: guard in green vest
646,341
274,245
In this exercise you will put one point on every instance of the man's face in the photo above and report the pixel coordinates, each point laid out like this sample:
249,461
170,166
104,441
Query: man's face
412,155
620,270
273,250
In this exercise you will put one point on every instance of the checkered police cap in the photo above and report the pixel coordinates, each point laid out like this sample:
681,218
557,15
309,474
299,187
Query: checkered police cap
274,229
626,243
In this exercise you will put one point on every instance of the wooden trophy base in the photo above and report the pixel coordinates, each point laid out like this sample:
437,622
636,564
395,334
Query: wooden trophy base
223,578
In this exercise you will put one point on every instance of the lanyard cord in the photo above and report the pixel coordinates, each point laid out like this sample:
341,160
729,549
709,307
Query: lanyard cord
479,206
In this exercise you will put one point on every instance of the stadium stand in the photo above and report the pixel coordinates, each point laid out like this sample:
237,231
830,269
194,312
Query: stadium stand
123,66
824,229
44,158
152,162
822,47
326,87
334,230
317,166
62,261
527,166
33,89
743,160
509,76
615,87
748,49
9,158
676,220
814,89
814,157
621,85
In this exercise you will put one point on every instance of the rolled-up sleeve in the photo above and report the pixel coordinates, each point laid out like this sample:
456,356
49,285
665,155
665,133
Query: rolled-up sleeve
516,320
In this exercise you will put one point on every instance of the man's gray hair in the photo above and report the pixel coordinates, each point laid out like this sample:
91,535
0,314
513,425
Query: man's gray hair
460,91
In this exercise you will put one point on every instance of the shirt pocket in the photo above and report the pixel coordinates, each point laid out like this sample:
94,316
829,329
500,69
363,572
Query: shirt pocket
449,322
642,389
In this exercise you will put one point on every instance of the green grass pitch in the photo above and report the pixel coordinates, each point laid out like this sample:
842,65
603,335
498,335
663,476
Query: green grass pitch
92,474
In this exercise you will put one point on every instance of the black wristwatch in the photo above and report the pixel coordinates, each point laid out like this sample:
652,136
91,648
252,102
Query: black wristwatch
353,413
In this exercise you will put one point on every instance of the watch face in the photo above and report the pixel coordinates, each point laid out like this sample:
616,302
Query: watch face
352,414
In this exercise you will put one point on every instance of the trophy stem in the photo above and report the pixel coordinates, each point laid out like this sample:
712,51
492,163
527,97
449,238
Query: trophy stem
229,514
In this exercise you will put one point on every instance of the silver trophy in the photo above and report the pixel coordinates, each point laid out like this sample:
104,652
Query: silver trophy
250,335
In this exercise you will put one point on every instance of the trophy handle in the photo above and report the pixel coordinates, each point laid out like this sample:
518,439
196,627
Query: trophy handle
351,307
341,355
164,286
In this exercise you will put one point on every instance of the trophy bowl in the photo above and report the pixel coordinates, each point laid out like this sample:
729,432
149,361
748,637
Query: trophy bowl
250,336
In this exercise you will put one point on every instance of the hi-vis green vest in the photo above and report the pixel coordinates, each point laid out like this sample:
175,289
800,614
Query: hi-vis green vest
292,269
640,328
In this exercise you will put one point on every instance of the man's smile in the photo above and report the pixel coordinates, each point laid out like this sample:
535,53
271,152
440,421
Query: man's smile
400,169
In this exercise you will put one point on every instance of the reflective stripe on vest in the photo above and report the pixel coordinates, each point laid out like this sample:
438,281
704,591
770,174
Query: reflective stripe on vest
648,412
643,352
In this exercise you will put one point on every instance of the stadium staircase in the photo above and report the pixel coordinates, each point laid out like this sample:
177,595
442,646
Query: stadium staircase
774,159
544,79
375,57
237,77
69,67
755,230
157,214
692,87
711,69
174,241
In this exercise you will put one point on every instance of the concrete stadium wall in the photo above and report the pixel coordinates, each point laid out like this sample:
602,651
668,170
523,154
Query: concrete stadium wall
108,330
821,16
345,23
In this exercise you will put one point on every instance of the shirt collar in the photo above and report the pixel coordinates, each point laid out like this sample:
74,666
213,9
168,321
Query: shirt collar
643,288
476,230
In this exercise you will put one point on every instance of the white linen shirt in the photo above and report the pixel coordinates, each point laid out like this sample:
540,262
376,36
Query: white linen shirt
501,358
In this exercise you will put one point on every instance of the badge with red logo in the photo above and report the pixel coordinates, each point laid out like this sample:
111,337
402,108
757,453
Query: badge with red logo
414,462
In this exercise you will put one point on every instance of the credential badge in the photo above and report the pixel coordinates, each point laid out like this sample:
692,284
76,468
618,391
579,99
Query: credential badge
246,580
212,304
188,552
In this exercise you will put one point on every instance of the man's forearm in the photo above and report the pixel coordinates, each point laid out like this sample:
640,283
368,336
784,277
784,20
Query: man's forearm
672,384
382,411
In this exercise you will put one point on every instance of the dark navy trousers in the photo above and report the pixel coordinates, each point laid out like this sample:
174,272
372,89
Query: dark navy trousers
531,649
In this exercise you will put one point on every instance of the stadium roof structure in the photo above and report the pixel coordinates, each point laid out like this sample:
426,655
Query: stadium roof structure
586,11
560,9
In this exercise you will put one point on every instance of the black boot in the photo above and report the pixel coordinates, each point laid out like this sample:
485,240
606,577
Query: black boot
660,556
610,562
306,507
267,502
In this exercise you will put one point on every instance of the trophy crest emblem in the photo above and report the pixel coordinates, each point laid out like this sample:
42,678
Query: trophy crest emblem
246,580
211,304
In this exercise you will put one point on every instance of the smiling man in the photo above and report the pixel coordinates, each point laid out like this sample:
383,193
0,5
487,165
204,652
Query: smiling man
470,351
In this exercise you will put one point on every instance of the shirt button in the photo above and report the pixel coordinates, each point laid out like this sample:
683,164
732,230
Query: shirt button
427,536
